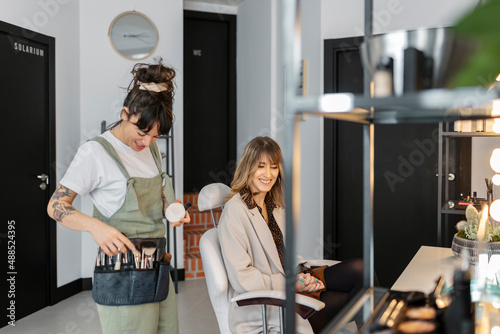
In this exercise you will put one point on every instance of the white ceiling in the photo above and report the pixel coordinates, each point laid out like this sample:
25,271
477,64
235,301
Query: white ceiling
219,2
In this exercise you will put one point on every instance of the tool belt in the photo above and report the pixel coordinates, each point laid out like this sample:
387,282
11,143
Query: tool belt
133,278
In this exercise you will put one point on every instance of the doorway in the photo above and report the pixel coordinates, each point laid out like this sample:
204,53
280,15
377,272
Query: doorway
27,235
209,99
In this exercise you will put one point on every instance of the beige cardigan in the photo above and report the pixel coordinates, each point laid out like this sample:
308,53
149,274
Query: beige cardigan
252,263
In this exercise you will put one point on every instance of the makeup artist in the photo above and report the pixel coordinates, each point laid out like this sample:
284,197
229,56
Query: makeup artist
251,232
122,172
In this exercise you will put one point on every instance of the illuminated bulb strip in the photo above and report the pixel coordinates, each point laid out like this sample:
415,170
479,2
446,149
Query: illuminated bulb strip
338,103
495,210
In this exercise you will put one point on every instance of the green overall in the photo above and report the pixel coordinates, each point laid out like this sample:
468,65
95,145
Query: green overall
141,216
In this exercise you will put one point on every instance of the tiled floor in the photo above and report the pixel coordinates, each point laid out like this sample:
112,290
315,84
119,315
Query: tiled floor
78,314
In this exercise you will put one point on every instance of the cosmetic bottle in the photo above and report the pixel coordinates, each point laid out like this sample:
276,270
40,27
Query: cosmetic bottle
383,78
458,316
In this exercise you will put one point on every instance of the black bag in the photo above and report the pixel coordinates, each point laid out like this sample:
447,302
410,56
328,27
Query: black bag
129,285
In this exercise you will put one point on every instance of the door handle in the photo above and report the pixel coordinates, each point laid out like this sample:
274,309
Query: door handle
451,176
44,178
45,181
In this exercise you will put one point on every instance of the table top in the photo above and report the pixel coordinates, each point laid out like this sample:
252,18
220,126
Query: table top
422,273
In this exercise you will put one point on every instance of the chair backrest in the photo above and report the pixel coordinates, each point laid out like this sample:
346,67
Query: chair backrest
211,197
216,278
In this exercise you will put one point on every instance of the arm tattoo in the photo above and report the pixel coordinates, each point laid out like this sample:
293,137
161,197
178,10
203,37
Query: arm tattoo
60,192
62,210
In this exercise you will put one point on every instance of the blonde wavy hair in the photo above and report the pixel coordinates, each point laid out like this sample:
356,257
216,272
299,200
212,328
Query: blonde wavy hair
250,160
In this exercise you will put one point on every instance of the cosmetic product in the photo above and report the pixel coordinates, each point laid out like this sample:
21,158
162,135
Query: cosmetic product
385,316
383,78
175,212
421,313
458,316
416,327
480,125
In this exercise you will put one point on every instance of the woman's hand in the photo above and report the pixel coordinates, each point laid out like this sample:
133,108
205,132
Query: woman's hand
307,283
110,239
186,219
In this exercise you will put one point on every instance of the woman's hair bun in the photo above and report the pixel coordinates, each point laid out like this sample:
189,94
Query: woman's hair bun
153,73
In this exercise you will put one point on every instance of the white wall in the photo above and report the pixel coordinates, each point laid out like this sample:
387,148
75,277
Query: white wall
309,241
346,18
103,73
253,82
58,19
480,165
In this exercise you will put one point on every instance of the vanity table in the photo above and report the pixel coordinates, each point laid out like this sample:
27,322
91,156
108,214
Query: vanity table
428,264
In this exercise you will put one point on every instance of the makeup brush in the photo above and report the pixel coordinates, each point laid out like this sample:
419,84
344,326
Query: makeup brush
137,258
118,263
148,248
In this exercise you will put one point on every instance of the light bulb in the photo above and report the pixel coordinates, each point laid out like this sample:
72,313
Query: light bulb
496,179
495,210
496,126
495,111
495,160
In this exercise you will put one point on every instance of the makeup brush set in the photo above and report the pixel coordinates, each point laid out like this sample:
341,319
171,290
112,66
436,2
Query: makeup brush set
138,276
145,256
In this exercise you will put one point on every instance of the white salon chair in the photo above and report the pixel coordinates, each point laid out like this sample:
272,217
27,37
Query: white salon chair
212,197
216,277
218,288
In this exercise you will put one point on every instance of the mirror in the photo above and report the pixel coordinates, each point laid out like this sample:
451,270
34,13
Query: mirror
133,35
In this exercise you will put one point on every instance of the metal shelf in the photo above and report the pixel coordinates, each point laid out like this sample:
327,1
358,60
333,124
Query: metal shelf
470,134
429,106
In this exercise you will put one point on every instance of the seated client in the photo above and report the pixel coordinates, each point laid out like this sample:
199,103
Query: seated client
251,233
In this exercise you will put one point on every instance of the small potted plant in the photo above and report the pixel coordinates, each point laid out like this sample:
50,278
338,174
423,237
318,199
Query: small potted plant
466,237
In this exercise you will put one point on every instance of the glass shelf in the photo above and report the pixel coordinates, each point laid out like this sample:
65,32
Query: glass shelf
358,315
471,134
428,106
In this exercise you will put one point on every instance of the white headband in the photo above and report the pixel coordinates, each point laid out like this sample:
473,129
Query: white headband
153,86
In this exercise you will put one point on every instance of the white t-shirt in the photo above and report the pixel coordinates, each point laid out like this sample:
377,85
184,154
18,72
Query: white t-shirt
94,172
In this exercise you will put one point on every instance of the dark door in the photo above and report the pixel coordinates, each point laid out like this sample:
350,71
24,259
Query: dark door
27,95
209,99
405,197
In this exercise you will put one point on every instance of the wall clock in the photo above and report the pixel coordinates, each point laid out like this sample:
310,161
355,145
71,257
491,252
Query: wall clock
133,35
